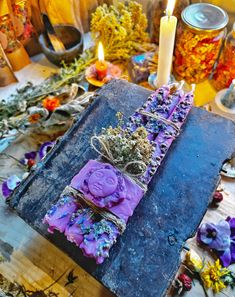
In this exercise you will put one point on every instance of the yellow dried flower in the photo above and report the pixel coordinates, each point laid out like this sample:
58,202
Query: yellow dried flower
193,261
121,29
212,276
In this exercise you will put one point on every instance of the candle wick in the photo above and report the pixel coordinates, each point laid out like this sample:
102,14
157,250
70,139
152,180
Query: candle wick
168,13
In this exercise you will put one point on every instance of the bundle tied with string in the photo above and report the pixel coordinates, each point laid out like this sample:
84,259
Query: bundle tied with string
106,153
121,225
164,120
130,152
105,192
126,167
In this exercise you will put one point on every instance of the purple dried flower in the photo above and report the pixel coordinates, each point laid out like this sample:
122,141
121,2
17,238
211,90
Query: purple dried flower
228,257
45,148
24,161
9,185
221,238
30,155
215,236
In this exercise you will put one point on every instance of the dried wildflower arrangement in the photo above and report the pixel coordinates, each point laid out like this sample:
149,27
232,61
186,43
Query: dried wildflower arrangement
121,29
129,150
123,33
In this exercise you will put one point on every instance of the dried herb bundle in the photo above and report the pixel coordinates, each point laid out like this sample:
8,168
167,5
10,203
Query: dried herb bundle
127,146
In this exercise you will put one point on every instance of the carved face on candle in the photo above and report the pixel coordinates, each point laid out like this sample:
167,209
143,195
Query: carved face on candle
106,187
102,182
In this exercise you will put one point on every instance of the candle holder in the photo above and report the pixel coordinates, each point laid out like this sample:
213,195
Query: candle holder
94,78
220,108
152,80
228,168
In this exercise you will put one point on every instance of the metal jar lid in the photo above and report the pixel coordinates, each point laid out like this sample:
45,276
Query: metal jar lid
205,17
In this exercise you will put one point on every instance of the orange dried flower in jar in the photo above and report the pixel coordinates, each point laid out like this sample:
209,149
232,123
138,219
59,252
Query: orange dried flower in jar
199,39
225,71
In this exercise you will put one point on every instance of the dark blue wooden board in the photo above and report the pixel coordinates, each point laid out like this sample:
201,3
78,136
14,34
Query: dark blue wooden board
146,257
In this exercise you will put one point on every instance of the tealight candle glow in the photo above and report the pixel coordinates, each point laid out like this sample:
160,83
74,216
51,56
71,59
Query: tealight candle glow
166,45
101,65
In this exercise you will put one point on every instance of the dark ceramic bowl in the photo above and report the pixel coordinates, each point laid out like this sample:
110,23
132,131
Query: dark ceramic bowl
72,40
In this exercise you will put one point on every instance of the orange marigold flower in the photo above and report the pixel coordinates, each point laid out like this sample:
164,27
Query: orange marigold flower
51,103
34,118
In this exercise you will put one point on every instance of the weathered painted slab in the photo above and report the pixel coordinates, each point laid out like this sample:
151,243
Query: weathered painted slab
146,257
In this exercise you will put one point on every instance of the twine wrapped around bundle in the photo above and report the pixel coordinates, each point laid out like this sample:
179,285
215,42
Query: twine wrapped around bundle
121,225
107,154
162,119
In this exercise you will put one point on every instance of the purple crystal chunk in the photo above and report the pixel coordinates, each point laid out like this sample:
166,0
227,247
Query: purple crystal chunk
59,215
106,187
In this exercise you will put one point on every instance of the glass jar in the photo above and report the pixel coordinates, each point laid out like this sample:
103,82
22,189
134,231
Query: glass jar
199,38
3,62
225,71
7,34
12,47
6,75
22,23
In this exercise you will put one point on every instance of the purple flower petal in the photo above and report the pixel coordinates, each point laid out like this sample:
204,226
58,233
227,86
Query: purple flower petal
226,258
9,185
215,236
231,222
6,192
31,155
232,250
45,148
13,181
203,233
222,240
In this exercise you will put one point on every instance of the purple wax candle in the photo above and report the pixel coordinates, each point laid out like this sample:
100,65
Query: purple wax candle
60,214
99,240
166,137
80,224
106,187
161,103
155,100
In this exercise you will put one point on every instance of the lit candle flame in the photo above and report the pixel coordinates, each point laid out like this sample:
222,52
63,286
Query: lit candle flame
170,7
100,52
